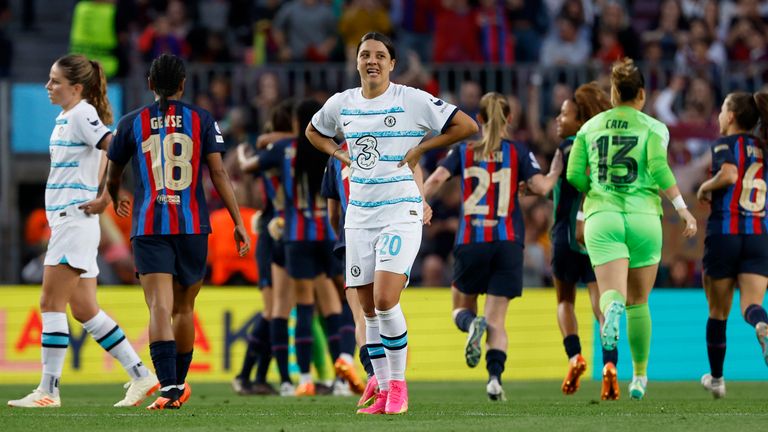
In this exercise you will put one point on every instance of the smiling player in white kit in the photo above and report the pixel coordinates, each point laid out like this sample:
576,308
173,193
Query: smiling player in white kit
77,146
384,124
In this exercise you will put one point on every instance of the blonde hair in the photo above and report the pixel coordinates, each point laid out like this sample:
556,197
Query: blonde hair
78,69
494,109
626,79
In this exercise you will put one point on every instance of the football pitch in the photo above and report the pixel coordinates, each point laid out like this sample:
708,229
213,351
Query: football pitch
434,406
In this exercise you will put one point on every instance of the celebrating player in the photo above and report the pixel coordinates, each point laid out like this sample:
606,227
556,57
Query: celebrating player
570,262
383,123
77,144
168,141
270,260
489,242
626,153
736,246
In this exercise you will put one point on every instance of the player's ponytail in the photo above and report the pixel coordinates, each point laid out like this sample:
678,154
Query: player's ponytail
166,75
494,110
77,69
626,80
590,100
97,93
761,101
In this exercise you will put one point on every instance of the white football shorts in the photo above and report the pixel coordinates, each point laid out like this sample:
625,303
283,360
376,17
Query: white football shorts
75,242
391,248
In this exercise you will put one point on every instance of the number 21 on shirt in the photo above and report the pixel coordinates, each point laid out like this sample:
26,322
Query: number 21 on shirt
166,174
484,180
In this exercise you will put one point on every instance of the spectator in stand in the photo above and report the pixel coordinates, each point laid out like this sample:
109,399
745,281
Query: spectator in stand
305,30
496,39
668,28
221,97
267,97
679,274
359,18
696,123
469,98
418,76
6,47
565,47
529,22
414,21
456,33
159,38
537,252
94,33
613,19
609,49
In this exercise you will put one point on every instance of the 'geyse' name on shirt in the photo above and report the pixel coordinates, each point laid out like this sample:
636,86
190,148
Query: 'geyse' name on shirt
173,121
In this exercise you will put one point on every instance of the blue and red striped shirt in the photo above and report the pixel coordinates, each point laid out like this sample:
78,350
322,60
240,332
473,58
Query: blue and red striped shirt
167,151
306,217
336,187
740,208
490,209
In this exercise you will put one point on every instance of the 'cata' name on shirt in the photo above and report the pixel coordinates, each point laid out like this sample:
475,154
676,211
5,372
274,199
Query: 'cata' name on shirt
172,121
616,124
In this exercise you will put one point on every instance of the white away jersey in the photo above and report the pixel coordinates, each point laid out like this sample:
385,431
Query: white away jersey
379,132
74,175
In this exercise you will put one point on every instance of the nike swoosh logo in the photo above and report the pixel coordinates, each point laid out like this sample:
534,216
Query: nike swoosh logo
94,123
346,123
385,260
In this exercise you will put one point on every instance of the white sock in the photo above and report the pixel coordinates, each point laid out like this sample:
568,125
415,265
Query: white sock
305,378
376,352
347,358
55,340
112,338
394,336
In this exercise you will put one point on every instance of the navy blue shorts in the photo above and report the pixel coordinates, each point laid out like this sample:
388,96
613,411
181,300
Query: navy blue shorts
184,256
308,259
278,253
337,265
570,266
489,268
265,247
728,255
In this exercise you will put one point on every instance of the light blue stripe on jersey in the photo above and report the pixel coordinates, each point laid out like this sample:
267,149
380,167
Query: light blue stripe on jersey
385,158
186,207
79,186
61,121
386,134
381,180
142,163
74,164
63,206
395,343
353,111
376,351
49,339
66,143
385,202
111,339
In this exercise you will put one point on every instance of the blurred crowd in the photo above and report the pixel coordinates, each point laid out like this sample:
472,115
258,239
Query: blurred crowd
692,52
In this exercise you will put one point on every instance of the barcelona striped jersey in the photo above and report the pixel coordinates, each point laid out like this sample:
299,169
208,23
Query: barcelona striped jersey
567,202
306,217
336,187
490,209
167,150
740,208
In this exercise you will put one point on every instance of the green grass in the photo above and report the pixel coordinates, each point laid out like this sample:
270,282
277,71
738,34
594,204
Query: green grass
444,406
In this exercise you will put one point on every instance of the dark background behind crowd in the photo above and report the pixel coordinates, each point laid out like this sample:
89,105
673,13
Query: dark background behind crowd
692,53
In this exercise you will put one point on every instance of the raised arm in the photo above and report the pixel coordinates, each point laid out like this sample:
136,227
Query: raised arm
543,184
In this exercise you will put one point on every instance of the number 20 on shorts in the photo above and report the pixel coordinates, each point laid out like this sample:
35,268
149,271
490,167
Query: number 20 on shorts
390,244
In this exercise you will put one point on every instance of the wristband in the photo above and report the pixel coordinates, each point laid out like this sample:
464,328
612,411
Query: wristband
580,216
679,203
